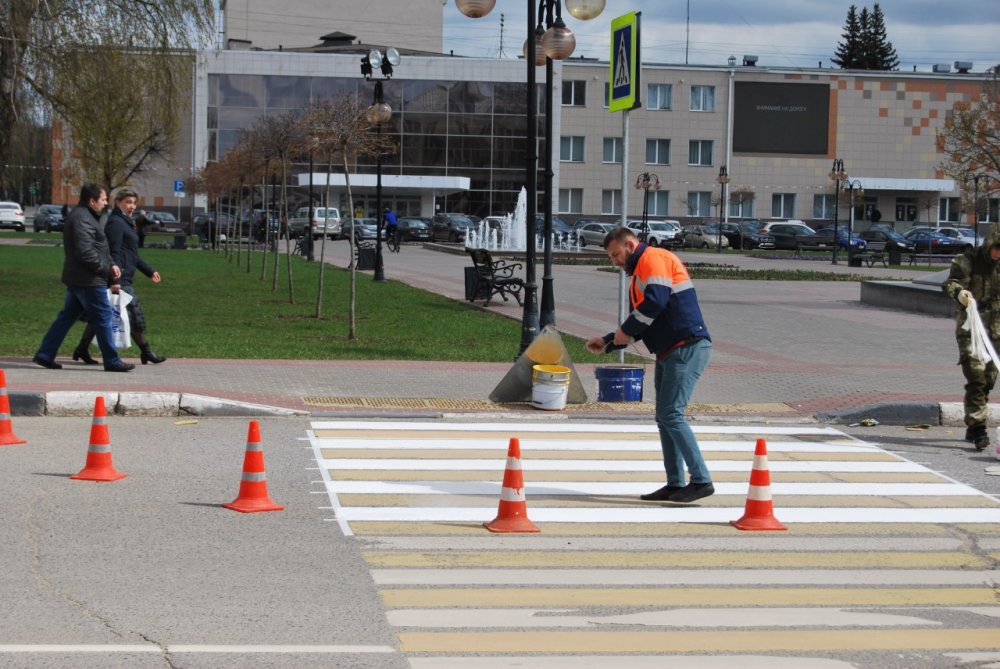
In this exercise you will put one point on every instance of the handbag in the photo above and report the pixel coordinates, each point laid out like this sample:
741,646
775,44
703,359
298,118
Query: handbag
120,328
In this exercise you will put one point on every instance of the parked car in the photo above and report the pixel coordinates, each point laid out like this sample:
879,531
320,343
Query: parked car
826,236
163,221
704,237
890,238
928,241
414,229
49,218
363,229
746,234
325,221
965,235
593,234
209,225
788,234
562,232
450,227
11,216
658,233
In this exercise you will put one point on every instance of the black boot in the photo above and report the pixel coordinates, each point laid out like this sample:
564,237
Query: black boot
148,355
82,350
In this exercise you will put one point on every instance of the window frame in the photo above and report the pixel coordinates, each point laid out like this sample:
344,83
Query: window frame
704,94
701,143
572,140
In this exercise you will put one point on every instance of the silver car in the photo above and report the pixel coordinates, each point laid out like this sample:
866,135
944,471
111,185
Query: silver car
593,234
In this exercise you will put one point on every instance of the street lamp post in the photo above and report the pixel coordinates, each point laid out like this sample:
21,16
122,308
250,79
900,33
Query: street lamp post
644,182
838,174
852,185
975,204
557,43
379,113
723,180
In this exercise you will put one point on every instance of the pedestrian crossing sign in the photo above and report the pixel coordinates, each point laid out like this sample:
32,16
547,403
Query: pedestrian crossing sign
623,91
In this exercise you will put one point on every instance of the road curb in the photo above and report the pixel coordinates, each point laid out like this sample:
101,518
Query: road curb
81,403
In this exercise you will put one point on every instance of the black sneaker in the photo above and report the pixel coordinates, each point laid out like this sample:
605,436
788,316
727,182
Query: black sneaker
693,492
972,431
663,494
981,441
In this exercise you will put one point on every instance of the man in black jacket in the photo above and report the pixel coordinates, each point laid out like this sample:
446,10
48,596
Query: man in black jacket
87,271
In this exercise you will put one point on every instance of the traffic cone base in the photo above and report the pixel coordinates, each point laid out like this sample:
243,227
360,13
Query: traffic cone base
7,436
759,511
512,513
99,466
253,497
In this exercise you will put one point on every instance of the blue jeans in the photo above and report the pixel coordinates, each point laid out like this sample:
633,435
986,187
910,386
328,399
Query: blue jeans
675,379
79,299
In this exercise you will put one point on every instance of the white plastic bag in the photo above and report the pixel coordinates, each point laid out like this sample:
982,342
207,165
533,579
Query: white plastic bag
120,328
982,346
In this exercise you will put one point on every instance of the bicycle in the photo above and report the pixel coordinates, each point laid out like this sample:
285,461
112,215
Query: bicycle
392,240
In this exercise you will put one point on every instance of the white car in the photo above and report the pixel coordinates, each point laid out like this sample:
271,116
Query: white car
11,216
661,233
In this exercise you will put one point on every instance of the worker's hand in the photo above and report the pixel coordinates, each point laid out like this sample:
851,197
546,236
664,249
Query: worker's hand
596,345
116,288
964,298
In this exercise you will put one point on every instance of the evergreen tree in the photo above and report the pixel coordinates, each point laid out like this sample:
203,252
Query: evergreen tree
865,44
848,52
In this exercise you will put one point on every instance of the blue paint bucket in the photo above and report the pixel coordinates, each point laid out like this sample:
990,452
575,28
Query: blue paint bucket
619,383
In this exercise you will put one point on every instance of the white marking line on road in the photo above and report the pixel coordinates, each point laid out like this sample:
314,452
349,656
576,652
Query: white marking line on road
629,446
515,428
674,514
190,648
629,488
440,464
675,618
635,662
325,472
687,577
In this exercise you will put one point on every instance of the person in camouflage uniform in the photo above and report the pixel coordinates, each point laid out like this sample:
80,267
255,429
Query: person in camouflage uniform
976,274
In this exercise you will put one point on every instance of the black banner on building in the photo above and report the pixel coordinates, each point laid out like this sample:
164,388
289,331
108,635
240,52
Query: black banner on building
781,118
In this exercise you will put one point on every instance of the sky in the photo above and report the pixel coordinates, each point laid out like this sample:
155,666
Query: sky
784,33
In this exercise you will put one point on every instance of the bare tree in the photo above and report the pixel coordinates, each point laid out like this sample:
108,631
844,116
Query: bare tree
44,44
971,137
340,130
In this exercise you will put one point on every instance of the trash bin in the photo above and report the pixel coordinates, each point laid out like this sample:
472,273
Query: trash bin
474,288
366,258
180,241
895,255
854,260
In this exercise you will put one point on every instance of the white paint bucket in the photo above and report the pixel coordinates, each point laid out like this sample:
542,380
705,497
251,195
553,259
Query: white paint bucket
549,387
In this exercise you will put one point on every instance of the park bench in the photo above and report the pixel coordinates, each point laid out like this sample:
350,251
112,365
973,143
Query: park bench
931,257
488,277
800,247
874,253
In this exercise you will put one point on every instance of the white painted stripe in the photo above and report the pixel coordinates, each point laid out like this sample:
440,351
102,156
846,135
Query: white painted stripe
636,488
901,466
192,648
382,442
514,428
325,473
676,514
689,577
762,617
635,662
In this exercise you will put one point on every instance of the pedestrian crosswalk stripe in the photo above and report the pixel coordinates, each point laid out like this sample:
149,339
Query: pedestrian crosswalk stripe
619,465
324,429
376,444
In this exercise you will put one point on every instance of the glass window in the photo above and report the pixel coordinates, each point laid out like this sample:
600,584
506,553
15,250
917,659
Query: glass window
699,203
470,97
574,93
570,200
906,209
428,96
824,206
607,94
659,96
611,201
468,151
657,203
949,209
703,98
700,152
612,149
657,151
783,205
740,203
241,90
509,98
571,149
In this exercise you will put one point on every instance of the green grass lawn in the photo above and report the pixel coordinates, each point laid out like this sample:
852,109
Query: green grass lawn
208,307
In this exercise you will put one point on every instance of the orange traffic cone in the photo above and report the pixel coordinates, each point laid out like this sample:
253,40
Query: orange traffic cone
7,436
98,466
512,515
759,512
253,495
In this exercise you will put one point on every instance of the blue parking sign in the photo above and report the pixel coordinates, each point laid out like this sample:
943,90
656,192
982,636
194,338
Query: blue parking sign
178,186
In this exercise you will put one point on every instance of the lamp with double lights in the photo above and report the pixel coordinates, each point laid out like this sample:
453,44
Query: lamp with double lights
723,181
838,175
644,182
378,113
541,46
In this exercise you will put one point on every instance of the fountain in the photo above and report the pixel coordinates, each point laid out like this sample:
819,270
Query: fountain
513,232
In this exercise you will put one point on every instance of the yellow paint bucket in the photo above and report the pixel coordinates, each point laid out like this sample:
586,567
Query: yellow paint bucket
549,387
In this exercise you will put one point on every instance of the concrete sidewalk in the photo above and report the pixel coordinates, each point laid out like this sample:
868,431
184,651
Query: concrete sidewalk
783,350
